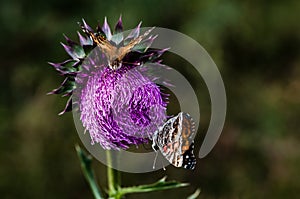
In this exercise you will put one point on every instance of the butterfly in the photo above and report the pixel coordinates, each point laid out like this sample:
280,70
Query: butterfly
174,139
113,53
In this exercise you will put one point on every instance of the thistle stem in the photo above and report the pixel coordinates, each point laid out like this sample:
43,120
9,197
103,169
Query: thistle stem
112,177
85,161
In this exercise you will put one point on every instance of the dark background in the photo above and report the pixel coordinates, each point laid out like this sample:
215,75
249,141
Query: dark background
256,47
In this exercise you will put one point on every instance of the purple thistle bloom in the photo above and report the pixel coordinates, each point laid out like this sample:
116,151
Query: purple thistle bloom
117,107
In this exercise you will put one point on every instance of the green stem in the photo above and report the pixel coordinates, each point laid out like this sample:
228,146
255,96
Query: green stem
112,177
95,190
88,173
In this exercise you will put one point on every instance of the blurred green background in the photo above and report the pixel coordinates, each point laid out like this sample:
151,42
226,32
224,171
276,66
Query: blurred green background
256,46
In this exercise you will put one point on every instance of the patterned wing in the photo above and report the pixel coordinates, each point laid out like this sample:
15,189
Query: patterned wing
122,51
106,47
169,141
187,134
189,159
99,39
175,141
187,131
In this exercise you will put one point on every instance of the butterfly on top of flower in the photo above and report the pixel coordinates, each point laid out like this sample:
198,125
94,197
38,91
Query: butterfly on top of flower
90,84
114,53
175,140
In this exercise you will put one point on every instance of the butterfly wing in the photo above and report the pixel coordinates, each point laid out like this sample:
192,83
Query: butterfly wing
175,141
187,147
170,145
98,38
106,47
114,54
187,130
189,159
122,51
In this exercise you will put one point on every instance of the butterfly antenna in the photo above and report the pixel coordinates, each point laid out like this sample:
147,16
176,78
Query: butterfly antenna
156,154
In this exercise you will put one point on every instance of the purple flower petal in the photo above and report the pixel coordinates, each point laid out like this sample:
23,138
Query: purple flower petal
74,50
119,26
86,26
106,29
68,106
133,34
122,107
85,41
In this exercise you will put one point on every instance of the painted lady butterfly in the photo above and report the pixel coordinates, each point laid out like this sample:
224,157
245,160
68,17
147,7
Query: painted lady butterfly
113,53
175,141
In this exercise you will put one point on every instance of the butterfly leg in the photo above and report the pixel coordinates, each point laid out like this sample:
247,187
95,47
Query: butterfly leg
156,154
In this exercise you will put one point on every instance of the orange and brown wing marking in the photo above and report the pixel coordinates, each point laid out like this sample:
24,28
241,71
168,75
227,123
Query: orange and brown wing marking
187,132
105,46
126,49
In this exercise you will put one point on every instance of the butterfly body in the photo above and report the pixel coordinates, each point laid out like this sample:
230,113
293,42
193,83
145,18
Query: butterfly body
175,141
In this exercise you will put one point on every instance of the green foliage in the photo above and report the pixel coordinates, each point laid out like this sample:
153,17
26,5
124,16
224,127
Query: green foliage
115,191
86,162
195,194
162,184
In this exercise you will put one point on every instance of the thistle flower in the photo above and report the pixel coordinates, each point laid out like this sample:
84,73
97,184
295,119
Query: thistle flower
118,106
